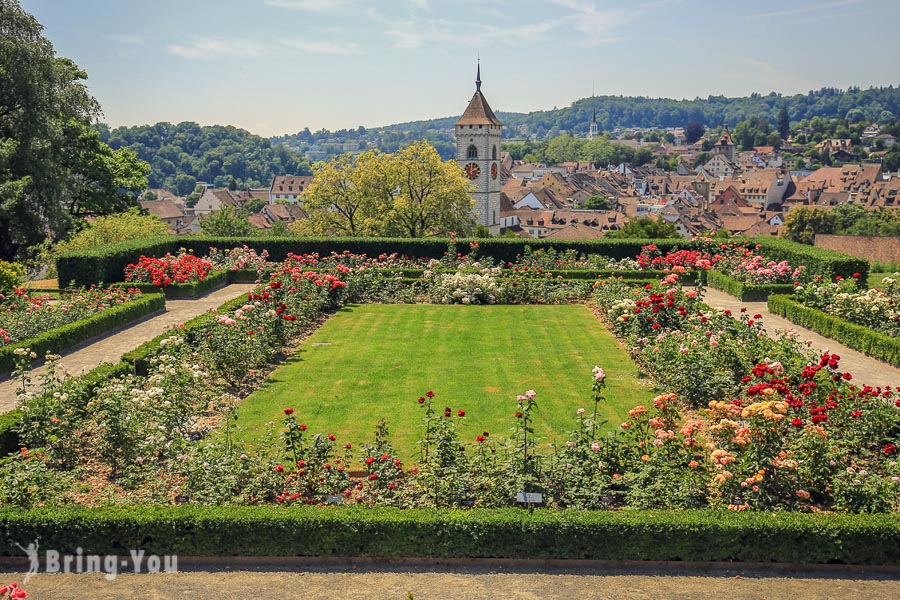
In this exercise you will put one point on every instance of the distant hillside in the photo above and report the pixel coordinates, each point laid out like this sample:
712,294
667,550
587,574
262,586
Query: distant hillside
182,154
873,104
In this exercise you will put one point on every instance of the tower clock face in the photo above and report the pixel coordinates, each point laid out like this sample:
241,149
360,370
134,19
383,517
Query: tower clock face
494,171
472,171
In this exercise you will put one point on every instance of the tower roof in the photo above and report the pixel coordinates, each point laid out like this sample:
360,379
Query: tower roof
479,111
725,140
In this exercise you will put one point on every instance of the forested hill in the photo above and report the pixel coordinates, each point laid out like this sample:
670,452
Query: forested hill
182,154
632,111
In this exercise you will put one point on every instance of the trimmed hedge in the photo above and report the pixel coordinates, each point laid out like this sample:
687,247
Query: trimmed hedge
107,263
193,289
507,533
820,261
748,292
858,337
61,338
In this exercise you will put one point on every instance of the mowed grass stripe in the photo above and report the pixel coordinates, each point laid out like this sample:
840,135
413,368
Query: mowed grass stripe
373,361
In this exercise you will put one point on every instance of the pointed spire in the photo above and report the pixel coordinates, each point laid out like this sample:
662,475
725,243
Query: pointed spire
478,77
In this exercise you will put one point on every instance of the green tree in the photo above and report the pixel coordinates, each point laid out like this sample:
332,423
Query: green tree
597,203
341,199
425,195
227,222
646,229
694,131
783,123
254,205
801,224
129,225
40,95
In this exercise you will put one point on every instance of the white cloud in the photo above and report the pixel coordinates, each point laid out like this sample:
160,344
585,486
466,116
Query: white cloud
321,46
416,32
598,26
309,5
127,39
207,48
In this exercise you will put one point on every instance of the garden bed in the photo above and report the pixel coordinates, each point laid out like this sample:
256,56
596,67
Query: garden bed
690,536
747,292
61,338
175,291
858,337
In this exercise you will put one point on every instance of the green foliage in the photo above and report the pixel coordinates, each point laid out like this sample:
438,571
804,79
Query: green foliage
107,263
227,222
597,203
818,261
868,341
61,338
11,275
191,289
699,536
128,225
184,153
648,229
748,292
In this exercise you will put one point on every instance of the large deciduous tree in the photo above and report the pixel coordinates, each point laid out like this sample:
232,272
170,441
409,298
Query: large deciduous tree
411,193
51,163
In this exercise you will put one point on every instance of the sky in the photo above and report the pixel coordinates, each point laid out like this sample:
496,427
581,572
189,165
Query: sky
276,66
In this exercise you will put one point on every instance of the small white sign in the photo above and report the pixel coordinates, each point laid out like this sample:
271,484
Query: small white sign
334,499
529,498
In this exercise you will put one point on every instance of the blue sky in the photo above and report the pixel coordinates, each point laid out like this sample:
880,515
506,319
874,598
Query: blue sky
276,66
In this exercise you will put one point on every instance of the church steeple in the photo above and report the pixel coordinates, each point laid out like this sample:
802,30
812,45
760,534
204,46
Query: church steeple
478,77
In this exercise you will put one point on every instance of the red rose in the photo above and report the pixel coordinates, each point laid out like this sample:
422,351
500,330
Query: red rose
331,437
369,460
797,422
301,463
302,427
479,439
847,376
856,414
430,394
460,413
889,449
421,399
279,468
289,411
347,446
373,476
518,415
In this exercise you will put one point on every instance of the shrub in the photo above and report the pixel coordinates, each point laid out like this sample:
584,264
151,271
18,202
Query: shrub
432,533
748,292
11,275
69,334
858,337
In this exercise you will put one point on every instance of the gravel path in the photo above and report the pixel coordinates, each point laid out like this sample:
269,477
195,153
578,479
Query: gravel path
865,369
112,345
469,582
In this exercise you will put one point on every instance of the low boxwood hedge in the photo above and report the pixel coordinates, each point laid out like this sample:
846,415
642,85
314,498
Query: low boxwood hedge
58,339
193,289
858,337
107,263
819,261
507,533
748,292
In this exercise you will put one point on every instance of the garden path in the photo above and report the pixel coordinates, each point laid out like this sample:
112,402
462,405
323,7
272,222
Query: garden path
865,369
471,581
110,346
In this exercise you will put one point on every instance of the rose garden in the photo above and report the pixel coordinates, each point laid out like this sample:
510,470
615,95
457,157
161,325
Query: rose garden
405,398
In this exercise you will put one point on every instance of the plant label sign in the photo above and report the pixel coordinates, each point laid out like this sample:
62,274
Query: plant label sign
529,498
334,499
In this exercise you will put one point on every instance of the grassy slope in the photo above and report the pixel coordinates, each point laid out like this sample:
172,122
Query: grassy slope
374,361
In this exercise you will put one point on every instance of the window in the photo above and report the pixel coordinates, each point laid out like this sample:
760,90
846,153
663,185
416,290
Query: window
472,152
494,153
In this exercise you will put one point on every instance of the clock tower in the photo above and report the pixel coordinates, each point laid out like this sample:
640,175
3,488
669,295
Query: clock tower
478,133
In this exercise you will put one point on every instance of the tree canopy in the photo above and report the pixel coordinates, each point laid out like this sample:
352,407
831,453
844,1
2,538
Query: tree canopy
53,167
411,193
646,228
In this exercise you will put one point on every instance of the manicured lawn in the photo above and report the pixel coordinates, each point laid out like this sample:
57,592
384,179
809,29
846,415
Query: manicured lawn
374,361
